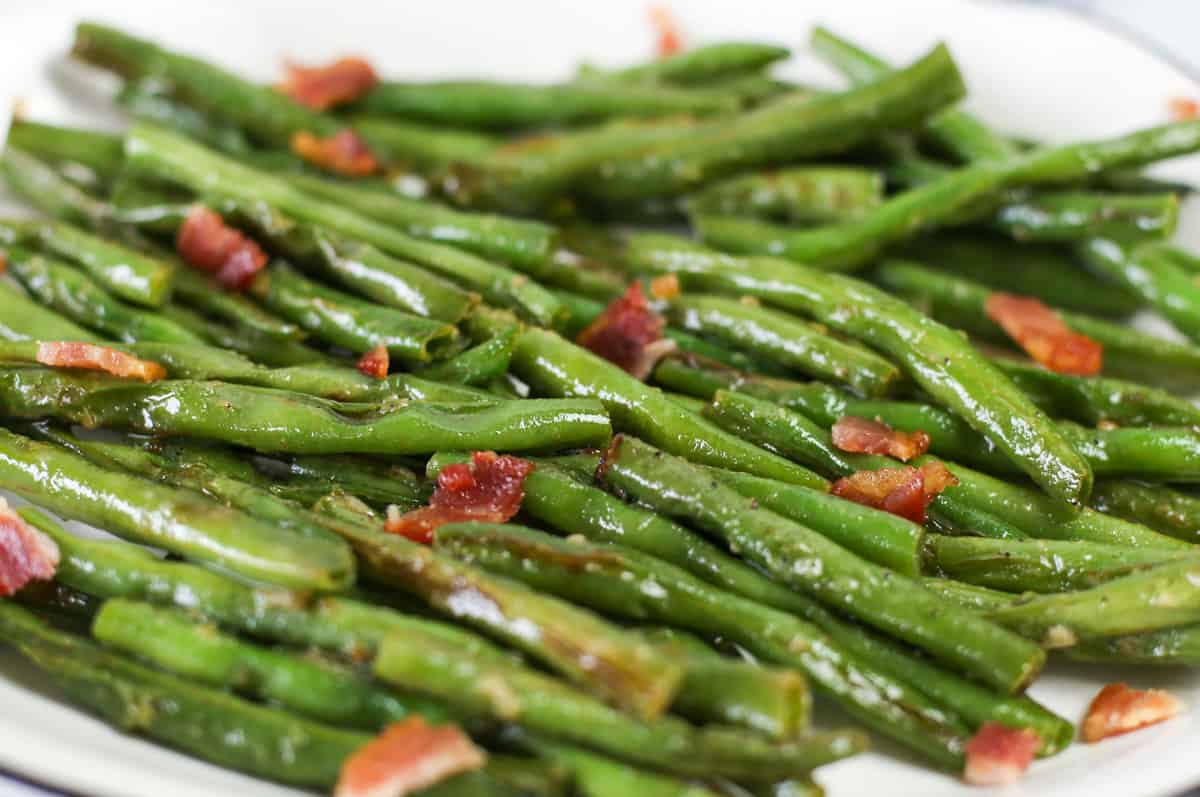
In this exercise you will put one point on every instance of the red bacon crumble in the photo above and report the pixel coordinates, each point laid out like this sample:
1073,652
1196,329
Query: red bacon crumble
99,358
208,243
323,87
906,492
1184,108
26,554
489,489
998,755
865,436
628,333
1117,709
670,41
375,363
1044,336
408,757
342,153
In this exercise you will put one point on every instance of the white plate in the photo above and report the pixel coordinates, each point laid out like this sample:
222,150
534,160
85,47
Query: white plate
1032,71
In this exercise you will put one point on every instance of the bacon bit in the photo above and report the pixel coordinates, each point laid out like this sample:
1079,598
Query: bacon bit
998,755
864,436
1184,108
375,363
1044,336
1117,709
26,554
323,87
670,41
342,153
906,492
665,287
408,757
489,489
99,358
628,333
208,243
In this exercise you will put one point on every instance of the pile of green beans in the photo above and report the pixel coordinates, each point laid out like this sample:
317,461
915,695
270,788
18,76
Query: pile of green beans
677,578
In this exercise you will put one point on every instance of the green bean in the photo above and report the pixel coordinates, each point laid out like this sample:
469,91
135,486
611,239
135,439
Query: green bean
573,506
1168,647
520,242
1096,400
941,363
270,116
1163,509
170,157
424,147
205,656
48,191
804,194
1128,353
206,723
879,537
122,272
696,65
1039,565
954,129
494,104
969,596
360,267
1159,597
597,776
177,520
247,341
101,154
807,561
479,365
349,322
74,294
1152,274
1071,215
544,705
617,581
249,416
1156,454
787,129
553,366
852,244
731,691
28,320
776,337
1044,272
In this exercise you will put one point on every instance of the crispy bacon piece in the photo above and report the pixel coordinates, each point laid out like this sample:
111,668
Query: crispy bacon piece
408,757
628,333
1044,336
342,153
208,243
865,436
375,363
665,287
906,492
998,755
1184,108
26,554
1117,709
490,489
99,358
670,41
323,87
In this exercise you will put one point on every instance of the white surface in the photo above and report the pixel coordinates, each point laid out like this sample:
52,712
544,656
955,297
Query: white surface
1032,71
